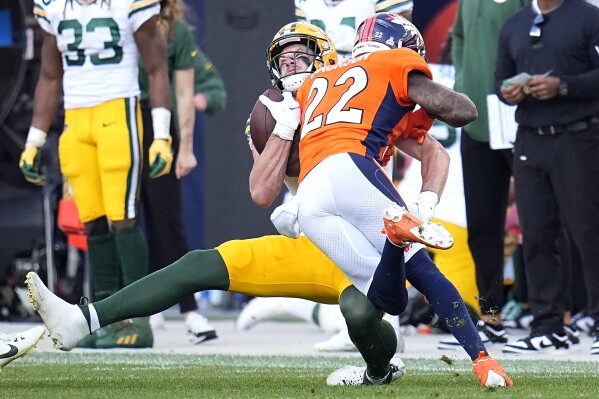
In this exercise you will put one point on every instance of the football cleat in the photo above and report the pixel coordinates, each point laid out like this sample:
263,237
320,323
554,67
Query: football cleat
339,342
488,333
134,335
403,228
552,343
490,373
13,346
66,322
198,328
352,375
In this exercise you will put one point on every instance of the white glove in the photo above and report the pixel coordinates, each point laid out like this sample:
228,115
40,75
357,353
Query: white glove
425,206
287,114
342,37
284,218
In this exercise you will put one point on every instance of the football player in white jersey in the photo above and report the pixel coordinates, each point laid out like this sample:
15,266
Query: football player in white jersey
90,51
340,18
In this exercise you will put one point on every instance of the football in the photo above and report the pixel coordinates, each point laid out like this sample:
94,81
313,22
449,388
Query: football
261,126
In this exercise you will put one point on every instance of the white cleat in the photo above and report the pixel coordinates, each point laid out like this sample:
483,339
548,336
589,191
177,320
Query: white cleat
352,375
403,228
199,329
66,322
13,346
339,342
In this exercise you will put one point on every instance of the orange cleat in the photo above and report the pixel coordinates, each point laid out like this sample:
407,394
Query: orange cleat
490,373
403,228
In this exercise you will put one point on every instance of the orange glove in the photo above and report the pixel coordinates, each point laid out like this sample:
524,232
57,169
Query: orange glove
489,372
386,154
418,125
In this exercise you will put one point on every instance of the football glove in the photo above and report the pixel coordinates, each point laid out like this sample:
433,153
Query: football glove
30,165
287,114
419,123
161,157
284,218
387,152
490,374
425,205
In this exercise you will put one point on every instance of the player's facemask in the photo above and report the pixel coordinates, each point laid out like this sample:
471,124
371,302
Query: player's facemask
319,52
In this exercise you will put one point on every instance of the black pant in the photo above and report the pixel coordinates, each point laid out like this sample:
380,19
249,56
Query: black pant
487,176
557,184
162,206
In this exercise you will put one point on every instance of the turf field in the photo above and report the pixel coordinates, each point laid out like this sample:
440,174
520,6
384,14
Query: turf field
161,375
276,360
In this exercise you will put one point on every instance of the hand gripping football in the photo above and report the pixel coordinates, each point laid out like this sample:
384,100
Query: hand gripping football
261,126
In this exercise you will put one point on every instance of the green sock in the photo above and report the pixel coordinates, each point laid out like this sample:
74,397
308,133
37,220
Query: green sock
85,311
104,264
373,336
133,254
315,314
196,271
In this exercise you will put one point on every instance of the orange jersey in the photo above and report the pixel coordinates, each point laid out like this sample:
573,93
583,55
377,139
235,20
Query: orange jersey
358,106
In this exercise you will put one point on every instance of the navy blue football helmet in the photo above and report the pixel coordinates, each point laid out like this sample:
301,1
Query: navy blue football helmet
387,31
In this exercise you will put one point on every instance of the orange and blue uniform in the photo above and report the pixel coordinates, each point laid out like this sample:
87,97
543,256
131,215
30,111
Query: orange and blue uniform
366,114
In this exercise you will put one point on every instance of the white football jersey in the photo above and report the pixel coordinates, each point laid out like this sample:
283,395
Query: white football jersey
331,15
95,39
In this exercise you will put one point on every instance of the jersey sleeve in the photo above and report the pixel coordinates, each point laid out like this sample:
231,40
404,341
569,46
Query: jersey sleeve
186,49
406,62
142,10
41,16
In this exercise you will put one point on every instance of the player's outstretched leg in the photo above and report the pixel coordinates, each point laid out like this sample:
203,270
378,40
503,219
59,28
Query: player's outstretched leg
403,228
66,322
13,346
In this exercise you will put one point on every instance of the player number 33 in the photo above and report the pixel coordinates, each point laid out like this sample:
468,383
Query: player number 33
93,26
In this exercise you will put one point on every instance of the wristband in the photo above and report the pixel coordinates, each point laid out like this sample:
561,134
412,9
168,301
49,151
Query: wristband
36,137
161,122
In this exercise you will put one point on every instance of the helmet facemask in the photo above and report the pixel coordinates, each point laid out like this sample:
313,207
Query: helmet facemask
293,64
296,51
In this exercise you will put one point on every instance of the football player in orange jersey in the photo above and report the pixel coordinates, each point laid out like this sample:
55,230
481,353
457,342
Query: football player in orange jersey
351,113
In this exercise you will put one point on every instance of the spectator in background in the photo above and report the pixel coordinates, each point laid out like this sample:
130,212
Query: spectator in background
486,172
209,88
340,18
162,197
556,167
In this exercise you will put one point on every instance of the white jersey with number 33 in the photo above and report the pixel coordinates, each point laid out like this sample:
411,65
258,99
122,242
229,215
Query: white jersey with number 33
95,39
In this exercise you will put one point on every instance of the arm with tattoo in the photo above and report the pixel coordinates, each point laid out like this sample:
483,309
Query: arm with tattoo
440,102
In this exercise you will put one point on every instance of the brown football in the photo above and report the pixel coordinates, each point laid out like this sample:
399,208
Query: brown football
261,126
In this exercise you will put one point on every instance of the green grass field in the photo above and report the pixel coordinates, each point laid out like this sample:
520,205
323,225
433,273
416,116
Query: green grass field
148,375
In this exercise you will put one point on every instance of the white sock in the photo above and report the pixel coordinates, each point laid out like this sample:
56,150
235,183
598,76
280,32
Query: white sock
93,316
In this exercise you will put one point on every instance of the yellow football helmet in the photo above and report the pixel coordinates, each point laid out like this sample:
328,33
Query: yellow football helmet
320,52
